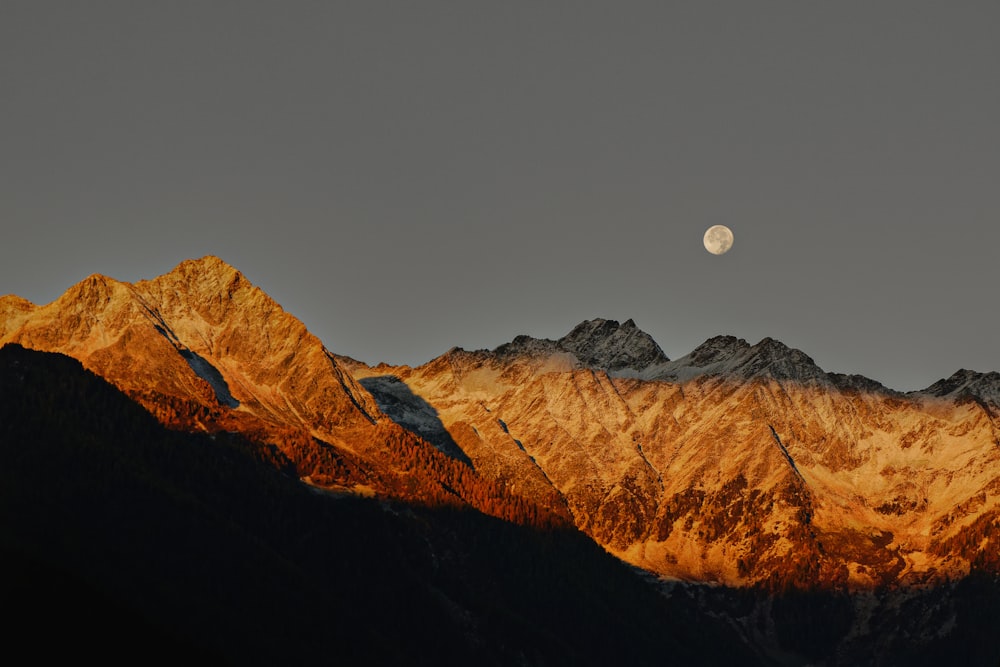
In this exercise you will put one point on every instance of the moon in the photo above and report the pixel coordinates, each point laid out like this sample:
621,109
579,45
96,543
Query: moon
718,239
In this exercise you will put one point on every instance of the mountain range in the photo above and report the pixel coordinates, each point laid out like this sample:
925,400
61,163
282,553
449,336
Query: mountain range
738,467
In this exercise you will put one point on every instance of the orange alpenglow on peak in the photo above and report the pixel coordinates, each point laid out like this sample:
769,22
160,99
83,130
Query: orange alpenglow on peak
203,349
14,303
206,264
94,288
208,269
13,309
740,464
203,340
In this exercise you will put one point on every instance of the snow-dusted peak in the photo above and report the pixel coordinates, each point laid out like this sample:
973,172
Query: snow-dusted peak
611,346
526,346
731,357
598,344
12,302
965,383
772,358
206,264
717,350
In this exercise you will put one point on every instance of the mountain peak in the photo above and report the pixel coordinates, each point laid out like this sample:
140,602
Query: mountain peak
608,345
206,278
14,303
207,266
598,343
965,383
12,310
775,359
729,356
93,292
717,349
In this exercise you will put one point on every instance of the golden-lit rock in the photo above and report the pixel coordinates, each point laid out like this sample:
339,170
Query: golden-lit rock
739,464
742,464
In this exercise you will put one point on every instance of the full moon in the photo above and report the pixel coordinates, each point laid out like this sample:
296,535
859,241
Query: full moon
718,239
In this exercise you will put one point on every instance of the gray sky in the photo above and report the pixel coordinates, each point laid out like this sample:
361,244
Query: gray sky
409,176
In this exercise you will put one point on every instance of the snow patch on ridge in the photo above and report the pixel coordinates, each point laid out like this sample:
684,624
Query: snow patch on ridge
212,376
395,398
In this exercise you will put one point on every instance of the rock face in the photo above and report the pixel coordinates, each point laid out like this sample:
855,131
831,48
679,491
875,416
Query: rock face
203,349
737,463
207,340
598,344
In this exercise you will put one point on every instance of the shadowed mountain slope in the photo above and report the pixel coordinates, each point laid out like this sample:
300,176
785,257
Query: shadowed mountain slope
200,546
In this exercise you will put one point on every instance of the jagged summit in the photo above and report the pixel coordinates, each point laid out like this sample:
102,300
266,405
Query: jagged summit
611,346
95,289
717,349
746,463
964,384
732,357
624,350
208,273
199,340
597,343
